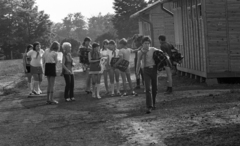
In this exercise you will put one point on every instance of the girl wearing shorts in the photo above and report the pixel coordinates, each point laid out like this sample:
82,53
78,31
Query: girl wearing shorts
94,69
50,61
36,66
26,67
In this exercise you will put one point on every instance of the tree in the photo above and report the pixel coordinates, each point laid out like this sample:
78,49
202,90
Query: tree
21,23
125,26
101,24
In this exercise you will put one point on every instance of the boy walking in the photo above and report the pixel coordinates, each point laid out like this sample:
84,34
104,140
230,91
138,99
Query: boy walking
145,55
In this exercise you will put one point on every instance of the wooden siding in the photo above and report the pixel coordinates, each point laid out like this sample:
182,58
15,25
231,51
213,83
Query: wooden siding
223,36
193,42
162,24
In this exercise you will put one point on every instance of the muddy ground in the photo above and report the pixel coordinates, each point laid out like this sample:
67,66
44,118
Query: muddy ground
195,115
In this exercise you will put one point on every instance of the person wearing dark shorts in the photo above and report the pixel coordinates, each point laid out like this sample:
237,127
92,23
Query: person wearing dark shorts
50,61
26,67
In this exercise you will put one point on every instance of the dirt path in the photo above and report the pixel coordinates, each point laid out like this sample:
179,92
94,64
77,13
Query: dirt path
194,115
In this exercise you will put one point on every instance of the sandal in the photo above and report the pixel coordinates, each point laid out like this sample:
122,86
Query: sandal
134,94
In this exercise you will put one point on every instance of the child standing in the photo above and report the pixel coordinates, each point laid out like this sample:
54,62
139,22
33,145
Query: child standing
94,69
104,53
26,67
67,64
50,61
113,72
125,54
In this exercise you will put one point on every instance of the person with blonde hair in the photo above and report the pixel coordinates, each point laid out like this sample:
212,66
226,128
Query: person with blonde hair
50,61
67,64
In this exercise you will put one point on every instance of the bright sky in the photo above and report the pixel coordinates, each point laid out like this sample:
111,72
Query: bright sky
58,9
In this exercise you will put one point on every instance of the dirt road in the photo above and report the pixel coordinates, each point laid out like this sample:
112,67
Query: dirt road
195,115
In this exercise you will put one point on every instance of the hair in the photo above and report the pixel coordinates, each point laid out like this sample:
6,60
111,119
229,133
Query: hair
55,46
123,41
87,39
95,45
112,42
34,47
28,48
146,39
162,38
104,43
65,46
95,54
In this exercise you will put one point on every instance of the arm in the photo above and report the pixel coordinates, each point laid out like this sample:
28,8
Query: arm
138,63
56,58
24,62
64,67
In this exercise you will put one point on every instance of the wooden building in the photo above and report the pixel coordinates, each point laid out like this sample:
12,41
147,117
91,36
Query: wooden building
156,19
207,33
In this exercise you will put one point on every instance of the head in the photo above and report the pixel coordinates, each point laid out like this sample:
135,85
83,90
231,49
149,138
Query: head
96,47
29,47
55,46
162,39
36,46
146,42
105,44
86,41
66,47
123,43
112,45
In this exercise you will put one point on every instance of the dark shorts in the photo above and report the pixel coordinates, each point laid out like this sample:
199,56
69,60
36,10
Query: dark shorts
50,69
36,70
28,69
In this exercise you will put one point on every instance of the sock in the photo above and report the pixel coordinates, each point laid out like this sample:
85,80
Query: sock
118,86
98,90
93,91
112,88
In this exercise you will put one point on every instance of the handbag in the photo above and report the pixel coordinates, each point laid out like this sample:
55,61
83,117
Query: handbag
122,66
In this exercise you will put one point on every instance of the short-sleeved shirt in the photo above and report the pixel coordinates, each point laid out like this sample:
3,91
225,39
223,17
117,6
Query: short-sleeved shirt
50,56
111,54
166,48
36,61
149,57
125,53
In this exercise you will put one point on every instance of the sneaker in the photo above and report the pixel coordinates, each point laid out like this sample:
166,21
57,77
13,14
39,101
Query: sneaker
68,100
54,102
35,93
149,110
125,94
72,99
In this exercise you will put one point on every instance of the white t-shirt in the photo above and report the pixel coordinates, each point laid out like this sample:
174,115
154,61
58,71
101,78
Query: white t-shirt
125,53
111,54
50,56
36,61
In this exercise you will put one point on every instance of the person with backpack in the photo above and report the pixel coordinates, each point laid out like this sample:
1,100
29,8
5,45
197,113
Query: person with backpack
145,56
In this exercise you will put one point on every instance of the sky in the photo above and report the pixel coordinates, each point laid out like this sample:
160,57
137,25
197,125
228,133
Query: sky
58,9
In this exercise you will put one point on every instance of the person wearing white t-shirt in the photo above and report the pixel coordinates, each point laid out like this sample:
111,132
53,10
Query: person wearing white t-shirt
104,54
113,72
36,68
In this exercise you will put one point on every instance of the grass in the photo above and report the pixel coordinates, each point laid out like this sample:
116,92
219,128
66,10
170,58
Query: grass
11,67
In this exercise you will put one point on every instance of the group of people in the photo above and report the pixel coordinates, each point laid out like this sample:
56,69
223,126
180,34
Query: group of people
112,60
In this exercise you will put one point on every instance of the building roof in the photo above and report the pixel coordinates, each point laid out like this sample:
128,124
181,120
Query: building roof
149,7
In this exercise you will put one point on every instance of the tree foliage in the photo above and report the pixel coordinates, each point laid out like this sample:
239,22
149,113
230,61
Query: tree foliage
21,23
125,26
